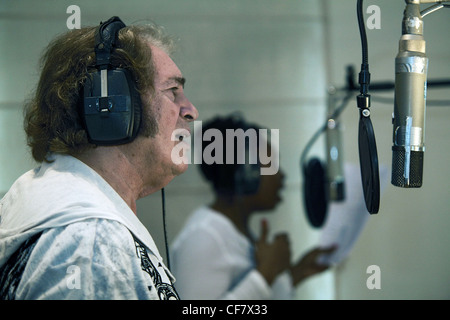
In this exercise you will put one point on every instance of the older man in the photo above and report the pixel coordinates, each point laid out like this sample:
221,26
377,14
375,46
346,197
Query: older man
69,228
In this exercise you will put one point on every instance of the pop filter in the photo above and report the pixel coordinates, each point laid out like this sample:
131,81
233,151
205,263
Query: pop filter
368,159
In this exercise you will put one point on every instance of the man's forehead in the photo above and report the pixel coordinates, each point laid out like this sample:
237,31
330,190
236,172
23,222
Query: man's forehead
166,70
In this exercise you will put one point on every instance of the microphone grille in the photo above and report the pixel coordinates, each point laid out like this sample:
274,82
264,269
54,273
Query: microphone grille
398,178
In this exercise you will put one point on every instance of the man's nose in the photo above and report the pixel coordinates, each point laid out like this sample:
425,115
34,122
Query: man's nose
188,111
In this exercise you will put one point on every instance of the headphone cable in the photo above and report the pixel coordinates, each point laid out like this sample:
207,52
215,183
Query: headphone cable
163,198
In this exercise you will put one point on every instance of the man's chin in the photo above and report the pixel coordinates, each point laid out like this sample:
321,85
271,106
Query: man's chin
180,169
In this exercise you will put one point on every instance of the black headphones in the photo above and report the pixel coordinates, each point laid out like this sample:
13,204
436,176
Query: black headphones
111,110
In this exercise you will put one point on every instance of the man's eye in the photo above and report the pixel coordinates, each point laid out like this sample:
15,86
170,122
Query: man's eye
172,92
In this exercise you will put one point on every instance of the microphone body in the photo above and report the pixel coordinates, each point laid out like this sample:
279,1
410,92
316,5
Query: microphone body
411,64
335,175
334,169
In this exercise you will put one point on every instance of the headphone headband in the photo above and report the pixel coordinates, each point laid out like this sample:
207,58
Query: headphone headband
105,40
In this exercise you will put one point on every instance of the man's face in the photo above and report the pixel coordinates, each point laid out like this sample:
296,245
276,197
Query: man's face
172,110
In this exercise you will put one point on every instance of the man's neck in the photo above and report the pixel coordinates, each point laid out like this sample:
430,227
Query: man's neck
113,166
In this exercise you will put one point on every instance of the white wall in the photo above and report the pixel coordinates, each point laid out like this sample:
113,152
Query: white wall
273,61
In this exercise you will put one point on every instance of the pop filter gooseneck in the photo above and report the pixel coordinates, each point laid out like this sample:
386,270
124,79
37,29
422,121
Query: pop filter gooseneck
368,157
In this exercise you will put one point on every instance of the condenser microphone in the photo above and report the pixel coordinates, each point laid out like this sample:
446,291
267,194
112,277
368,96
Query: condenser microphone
334,168
408,120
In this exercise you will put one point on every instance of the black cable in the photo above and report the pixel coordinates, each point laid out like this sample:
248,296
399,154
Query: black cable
362,32
364,75
163,198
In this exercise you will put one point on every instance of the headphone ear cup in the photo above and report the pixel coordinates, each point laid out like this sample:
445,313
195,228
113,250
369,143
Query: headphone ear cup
315,196
120,122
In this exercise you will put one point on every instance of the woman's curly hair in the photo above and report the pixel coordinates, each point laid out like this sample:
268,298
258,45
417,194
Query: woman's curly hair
51,117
